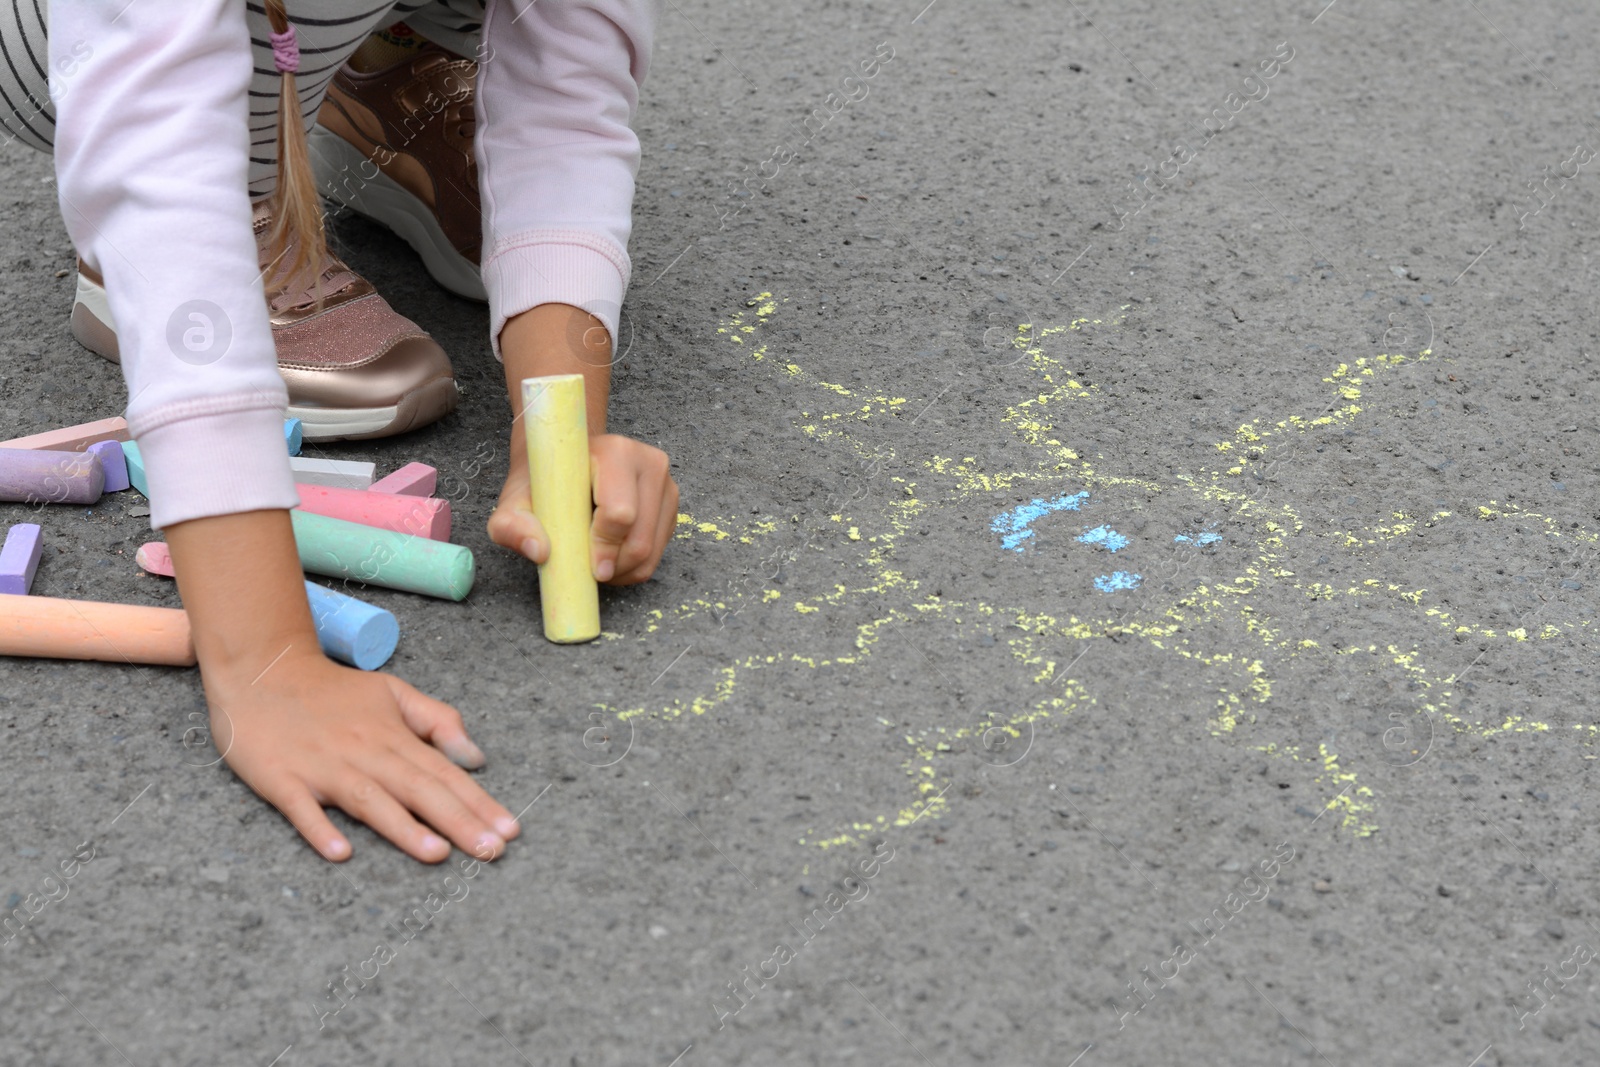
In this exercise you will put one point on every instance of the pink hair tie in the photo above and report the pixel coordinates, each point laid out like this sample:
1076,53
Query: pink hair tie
285,51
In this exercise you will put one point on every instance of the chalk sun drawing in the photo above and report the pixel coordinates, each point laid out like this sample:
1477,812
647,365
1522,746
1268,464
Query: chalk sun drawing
1224,628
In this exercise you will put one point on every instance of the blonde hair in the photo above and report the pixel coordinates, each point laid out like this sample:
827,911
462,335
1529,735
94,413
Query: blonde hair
297,203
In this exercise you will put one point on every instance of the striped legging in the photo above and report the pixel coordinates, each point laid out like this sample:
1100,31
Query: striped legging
328,31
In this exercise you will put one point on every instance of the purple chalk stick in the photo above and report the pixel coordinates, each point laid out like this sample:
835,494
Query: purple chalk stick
116,464
19,558
48,477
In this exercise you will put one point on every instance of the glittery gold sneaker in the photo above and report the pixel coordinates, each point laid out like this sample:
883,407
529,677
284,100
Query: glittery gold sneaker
355,368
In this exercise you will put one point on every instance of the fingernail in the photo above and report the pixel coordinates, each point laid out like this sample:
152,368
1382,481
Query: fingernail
489,844
338,848
464,754
606,569
433,843
506,826
530,547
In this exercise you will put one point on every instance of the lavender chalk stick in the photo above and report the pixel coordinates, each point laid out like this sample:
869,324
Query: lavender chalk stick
38,476
19,558
115,463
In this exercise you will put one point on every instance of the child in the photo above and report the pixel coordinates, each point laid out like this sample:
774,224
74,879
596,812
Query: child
185,181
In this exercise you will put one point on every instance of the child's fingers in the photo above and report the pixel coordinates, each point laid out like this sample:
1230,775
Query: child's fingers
616,509
426,795
477,799
642,553
435,722
514,525
305,814
366,799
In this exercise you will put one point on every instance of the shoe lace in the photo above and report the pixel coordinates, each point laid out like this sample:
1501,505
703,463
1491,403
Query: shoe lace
304,290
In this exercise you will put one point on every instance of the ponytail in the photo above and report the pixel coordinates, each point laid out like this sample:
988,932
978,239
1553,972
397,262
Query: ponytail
297,204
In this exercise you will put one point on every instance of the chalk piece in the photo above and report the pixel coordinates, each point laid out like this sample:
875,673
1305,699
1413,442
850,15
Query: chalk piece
35,476
87,629
294,434
19,558
135,462
414,479
350,630
74,438
420,516
558,465
114,462
340,549
156,558
340,473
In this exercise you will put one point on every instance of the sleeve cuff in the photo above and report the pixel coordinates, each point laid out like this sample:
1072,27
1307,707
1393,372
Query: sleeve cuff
555,267
217,465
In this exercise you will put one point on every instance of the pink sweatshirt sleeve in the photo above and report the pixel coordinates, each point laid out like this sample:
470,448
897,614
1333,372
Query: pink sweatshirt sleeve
152,143
557,155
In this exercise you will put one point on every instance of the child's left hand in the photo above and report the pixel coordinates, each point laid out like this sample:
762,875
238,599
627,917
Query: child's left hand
636,509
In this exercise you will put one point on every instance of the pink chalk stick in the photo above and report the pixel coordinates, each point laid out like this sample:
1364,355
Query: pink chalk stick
414,479
74,438
156,558
19,558
35,476
115,463
420,516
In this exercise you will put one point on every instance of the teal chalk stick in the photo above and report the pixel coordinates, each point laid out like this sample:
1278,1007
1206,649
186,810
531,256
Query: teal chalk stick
294,434
340,549
130,453
350,630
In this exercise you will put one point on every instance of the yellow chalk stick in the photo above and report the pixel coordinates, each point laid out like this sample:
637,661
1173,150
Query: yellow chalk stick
558,473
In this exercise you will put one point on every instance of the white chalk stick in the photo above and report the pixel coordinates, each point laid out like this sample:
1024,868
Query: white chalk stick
339,473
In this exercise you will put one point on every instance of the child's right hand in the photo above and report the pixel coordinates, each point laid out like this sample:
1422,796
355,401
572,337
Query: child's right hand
309,733
305,732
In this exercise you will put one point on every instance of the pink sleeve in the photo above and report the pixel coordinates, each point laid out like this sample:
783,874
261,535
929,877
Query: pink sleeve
152,144
557,155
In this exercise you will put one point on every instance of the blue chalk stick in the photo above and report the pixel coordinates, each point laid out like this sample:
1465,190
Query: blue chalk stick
350,630
114,462
294,434
19,558
135,462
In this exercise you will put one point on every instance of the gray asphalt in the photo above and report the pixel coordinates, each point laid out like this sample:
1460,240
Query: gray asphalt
1136,606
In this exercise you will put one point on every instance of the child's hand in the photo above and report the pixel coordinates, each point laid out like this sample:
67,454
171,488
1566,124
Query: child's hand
636,509
310,733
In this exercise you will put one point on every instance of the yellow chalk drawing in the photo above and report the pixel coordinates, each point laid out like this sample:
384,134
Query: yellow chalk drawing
1234,648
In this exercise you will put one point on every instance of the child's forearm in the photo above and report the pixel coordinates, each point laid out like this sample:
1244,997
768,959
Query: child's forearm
243,587
557,339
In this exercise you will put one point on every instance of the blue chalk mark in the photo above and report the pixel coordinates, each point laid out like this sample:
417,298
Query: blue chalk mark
1104,535
1116,581
1016,524
1198,539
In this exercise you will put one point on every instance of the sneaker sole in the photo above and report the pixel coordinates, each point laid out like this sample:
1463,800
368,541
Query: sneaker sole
93,329
385,201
